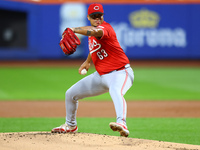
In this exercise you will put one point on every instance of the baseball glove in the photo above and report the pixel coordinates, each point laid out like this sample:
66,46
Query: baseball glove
69,42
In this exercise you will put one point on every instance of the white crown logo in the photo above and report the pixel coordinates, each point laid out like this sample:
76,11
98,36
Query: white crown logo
144,19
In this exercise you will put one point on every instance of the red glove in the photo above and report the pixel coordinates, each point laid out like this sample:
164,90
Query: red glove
69,42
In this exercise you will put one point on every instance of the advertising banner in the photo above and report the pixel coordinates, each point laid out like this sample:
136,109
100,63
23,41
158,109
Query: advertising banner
144,31
156,31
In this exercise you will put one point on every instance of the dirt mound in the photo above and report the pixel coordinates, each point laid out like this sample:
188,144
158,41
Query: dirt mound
82,141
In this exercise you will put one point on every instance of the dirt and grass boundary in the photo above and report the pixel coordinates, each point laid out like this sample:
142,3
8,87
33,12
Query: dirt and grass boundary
86,141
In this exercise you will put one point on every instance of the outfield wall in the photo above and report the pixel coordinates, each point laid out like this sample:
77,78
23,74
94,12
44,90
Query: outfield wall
169,30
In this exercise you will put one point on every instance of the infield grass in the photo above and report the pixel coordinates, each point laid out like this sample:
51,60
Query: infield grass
178,130
51,83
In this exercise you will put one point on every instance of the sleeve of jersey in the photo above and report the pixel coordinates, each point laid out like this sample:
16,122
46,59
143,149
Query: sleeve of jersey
105,32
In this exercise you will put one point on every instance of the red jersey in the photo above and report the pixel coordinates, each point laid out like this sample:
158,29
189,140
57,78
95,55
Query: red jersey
107,54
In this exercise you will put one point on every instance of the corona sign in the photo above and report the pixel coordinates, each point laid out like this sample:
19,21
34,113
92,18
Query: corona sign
143,30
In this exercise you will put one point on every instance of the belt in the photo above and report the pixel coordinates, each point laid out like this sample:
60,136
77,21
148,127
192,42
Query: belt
124,67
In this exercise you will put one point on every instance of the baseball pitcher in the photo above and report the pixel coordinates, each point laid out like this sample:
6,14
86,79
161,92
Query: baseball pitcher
113,72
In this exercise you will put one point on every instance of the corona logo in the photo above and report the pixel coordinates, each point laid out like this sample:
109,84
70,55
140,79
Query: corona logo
144,19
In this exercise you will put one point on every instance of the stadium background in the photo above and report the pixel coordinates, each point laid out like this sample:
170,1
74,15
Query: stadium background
145,30
161,38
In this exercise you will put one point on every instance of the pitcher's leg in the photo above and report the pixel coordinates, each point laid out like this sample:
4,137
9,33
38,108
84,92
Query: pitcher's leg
120,105
87,87
120,82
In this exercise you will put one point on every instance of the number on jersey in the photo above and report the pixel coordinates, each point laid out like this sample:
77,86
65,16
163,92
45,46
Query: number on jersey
102,54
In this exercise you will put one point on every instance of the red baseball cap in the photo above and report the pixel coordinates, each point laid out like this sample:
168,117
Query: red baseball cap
95,9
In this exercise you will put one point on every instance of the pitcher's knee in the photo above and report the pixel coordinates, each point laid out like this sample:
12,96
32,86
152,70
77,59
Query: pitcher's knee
70,96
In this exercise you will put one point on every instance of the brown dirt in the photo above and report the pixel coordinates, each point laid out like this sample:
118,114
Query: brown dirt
87,141
82,141
100,109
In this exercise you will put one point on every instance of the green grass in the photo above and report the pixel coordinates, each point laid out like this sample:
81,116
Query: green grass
178,130
51,84
150,84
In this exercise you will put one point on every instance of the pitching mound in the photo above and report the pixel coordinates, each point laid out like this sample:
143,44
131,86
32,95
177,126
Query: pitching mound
82,141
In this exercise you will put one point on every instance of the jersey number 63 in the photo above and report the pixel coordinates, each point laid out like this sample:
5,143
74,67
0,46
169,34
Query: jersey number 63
101,54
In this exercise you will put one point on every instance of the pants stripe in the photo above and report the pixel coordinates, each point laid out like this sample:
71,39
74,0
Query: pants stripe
124,102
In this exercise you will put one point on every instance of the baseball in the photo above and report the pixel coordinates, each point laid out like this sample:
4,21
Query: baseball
83,72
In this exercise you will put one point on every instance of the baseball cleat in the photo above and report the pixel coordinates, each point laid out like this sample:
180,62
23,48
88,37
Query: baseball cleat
122,129
64,129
